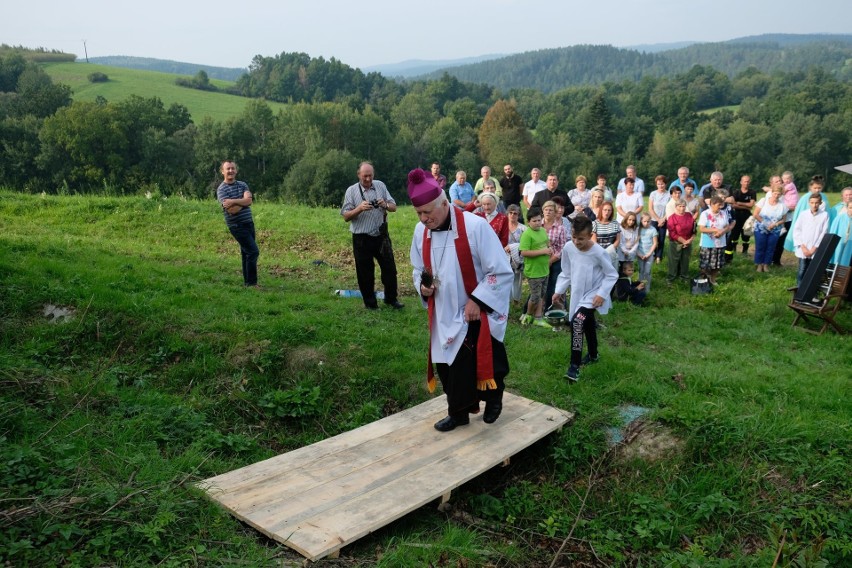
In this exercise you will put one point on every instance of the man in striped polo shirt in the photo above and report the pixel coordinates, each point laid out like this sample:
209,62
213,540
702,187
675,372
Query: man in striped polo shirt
365,208
235,198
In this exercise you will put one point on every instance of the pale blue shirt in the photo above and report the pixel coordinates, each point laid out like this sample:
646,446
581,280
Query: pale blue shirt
461,192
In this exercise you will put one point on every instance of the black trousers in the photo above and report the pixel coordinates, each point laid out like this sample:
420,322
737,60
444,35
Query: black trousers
245,236
737,234
661,239
366,248
583,323
779,246
459,379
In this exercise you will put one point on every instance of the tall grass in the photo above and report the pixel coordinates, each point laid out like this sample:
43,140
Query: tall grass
171,372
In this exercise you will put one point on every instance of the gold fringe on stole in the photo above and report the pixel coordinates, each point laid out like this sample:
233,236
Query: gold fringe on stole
487,384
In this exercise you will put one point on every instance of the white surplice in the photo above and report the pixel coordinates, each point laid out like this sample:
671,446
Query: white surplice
588,274
493,276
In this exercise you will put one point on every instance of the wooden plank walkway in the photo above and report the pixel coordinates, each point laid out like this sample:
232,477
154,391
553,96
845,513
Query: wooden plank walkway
319,498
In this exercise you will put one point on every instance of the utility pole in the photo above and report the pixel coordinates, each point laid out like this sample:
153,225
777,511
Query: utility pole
86,51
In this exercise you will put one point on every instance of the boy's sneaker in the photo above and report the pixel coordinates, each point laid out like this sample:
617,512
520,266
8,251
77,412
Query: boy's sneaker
573,373
541,323
588,359
526,319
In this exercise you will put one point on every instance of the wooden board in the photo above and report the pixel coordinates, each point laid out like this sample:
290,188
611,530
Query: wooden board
319,498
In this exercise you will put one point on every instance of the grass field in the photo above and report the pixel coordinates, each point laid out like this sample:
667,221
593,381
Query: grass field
125,82
733,108
170,372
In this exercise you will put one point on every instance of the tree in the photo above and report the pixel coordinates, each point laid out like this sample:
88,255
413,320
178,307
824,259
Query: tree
464,112
747,149
708,149
564,159
803,145
504,138
597,131
665,154
320,178
84,145
445,138
201,80
37,95
19,148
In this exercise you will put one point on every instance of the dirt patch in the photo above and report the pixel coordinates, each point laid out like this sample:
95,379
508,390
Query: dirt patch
649,441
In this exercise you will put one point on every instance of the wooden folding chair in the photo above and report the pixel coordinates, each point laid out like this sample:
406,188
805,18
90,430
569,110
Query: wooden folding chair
827,303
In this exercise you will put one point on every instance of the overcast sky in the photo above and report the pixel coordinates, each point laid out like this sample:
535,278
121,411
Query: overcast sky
372,32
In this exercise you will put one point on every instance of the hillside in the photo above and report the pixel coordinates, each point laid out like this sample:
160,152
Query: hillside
415,67
125,82
169,66
550,70
168,372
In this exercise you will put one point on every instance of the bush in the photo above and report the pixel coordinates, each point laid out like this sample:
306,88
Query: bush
98,77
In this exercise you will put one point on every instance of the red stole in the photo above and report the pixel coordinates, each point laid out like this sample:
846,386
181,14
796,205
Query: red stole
484,359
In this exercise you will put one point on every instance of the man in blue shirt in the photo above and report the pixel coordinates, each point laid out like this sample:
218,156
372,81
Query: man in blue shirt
682,178
461,192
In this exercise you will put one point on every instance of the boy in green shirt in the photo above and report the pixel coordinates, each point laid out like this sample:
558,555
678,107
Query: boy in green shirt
535,248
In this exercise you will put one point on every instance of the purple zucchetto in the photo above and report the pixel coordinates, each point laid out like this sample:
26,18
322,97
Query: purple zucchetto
422,187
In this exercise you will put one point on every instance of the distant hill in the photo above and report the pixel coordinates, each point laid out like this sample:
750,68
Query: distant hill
168,66
124,83
658,47
415,67
550,70
38,54
793,39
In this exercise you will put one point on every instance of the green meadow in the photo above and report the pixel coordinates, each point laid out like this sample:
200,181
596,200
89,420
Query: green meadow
126,82
167,372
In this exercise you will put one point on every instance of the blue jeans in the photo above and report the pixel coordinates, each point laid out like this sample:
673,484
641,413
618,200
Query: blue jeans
765,246
803,266
244,234
645,271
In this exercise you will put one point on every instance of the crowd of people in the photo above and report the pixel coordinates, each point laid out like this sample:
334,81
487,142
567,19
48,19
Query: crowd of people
633,227
637,230
473,248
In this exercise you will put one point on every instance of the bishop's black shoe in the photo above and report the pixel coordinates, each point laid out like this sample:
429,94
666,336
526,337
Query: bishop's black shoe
492,411
449,423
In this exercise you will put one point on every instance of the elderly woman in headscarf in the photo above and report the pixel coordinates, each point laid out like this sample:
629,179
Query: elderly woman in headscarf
475,206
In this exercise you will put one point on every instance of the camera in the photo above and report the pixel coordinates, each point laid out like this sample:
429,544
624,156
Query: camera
375,203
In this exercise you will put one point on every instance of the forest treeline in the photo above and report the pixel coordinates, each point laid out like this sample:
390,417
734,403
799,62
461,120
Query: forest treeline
337,116
550,70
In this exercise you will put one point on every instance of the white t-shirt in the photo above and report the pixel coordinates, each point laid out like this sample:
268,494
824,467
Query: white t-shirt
531,188
627,203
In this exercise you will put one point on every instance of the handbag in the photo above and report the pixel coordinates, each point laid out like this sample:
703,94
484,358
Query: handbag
701,285
748,226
